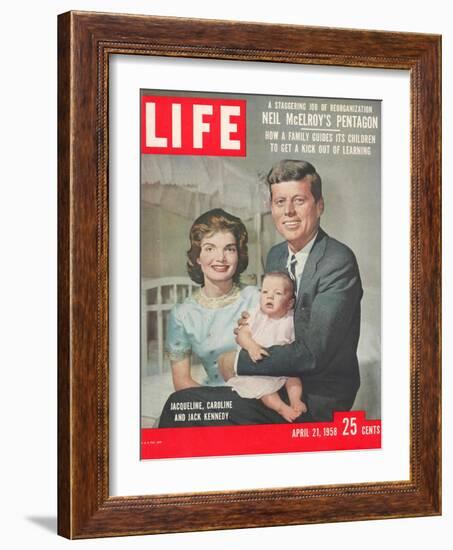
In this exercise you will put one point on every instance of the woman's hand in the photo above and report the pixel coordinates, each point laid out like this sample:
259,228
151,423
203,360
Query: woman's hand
242,321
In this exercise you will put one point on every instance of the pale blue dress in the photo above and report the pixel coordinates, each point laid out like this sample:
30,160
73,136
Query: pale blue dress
205,326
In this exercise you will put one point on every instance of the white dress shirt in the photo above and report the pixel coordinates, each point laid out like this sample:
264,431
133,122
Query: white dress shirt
301,258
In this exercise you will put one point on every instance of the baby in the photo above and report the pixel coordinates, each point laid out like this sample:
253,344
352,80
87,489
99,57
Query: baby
271,324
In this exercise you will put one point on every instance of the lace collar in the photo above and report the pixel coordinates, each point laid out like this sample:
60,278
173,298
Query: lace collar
218,302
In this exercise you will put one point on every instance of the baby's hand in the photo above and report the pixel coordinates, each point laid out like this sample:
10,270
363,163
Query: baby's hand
257,352
244,336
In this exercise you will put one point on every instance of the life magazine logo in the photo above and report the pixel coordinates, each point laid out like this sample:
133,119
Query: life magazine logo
193,126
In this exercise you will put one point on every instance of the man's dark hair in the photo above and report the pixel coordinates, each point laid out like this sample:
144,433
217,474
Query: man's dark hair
295,170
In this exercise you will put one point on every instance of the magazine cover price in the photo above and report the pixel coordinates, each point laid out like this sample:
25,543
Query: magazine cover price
260,274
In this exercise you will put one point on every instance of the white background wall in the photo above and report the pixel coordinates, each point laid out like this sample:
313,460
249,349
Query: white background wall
28,215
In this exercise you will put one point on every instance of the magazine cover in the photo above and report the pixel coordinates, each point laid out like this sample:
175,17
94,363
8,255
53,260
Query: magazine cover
260,274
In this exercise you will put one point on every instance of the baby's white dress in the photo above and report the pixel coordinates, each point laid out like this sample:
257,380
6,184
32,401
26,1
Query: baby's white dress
267,332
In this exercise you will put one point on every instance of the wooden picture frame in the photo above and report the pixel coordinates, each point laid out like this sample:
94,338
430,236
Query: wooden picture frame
85,41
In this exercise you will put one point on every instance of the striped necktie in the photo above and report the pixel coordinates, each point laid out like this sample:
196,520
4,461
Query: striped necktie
292,270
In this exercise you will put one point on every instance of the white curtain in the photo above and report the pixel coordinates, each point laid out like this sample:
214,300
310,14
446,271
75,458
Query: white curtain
191,185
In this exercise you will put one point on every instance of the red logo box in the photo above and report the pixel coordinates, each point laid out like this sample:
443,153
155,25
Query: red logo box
193,126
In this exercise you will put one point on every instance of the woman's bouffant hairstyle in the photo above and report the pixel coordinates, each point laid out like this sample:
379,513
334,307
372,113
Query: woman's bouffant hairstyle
206,225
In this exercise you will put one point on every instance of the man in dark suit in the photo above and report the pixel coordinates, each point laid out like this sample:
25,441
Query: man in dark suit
329,290
326,313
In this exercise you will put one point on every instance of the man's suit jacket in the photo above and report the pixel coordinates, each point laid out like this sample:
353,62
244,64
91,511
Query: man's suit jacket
327,328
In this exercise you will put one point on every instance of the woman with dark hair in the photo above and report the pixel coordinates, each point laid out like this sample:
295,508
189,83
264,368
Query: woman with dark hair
205,321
